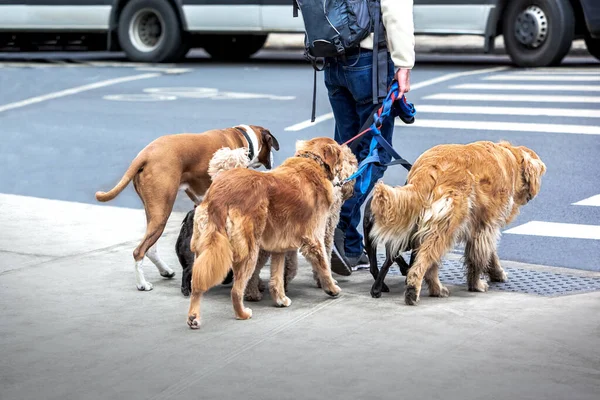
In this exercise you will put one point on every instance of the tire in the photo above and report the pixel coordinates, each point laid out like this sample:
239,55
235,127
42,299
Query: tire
593,46
233,47
138,35
558,21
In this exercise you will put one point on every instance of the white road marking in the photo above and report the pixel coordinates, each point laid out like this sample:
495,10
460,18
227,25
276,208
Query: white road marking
139,97
549,88
557,229
504,126
306,124
530,111
512,97
413,87
213,93
561,71
590,201
512,77
75,90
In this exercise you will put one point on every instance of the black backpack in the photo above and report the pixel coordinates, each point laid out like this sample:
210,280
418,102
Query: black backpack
332,27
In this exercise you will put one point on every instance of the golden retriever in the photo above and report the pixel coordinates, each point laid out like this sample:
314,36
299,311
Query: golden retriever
281,210
456,193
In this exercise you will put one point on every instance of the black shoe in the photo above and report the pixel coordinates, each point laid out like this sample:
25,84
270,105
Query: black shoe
339,263
360,262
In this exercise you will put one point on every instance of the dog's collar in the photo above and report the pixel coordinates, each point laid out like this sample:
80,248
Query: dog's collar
320,161
243,129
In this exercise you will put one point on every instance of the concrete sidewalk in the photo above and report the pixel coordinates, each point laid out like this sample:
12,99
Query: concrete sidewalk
74,326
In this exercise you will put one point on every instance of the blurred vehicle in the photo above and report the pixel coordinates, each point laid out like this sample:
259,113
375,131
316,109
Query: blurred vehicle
536,32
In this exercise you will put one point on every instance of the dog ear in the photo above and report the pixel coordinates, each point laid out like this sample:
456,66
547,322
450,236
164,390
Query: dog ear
269,139
532,169
331,155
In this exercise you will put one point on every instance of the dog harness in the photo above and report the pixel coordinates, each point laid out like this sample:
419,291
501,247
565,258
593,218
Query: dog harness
390,108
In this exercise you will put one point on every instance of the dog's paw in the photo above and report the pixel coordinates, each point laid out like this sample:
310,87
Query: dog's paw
411,297
253,296
193,321
375,293
334,291
385,288
480,286
442,292
283,302
185,291
147,286
498,277
245,314
167,274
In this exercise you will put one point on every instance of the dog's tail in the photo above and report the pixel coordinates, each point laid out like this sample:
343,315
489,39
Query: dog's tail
215,254
395,212
225,159
136,166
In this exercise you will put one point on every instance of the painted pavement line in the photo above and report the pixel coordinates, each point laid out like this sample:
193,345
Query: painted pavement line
504,126
593,201
529,111
549,88
530,98
75,90
307,124
557,229
570,78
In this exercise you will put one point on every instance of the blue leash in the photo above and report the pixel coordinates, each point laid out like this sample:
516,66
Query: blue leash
390,107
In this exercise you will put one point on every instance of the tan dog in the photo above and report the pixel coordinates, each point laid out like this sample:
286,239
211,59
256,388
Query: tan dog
280,211
341,193
179,161
456,193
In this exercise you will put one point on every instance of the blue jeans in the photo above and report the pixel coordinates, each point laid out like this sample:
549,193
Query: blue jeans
349,87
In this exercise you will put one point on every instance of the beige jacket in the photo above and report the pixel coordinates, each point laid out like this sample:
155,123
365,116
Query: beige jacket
397,18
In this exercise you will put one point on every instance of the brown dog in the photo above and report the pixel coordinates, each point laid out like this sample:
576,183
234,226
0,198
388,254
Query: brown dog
456,193
279,211
179,161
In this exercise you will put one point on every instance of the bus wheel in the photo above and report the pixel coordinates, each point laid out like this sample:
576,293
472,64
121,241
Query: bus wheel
233,47
149,31
538,33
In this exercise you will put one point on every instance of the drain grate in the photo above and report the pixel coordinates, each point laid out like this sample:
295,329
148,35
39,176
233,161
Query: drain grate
519,280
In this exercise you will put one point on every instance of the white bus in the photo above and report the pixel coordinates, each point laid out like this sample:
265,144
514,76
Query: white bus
536,32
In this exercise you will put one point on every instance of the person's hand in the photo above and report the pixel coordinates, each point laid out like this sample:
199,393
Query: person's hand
403,78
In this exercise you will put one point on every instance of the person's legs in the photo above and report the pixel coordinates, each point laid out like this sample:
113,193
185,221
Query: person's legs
347,124
359,78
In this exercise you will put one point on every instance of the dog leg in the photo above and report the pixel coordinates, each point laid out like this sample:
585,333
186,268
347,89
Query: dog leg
436,289
432,249
276,282
290,268
162,267
242,271
379,285
140,280
495,270
478,252
253,292
314,251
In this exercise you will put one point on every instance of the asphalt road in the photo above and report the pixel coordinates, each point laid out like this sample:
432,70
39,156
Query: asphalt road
67,145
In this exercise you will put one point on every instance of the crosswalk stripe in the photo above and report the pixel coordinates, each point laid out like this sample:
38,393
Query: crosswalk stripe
504,126
511,77
513,97
545,88
590,201
530,111
557,229
542,72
